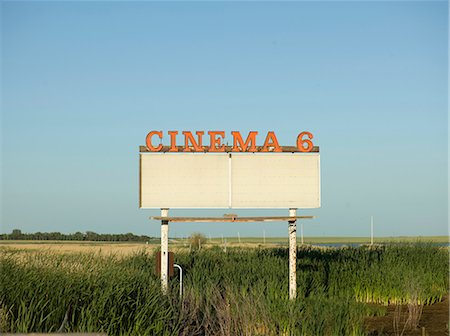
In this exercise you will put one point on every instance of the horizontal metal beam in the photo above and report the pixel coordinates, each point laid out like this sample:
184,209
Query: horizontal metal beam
231,219
229,149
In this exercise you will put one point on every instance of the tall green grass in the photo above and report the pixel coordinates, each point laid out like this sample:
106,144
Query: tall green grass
241,292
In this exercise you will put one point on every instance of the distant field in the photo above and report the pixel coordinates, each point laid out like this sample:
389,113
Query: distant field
336,240
128,248
69,242
76,247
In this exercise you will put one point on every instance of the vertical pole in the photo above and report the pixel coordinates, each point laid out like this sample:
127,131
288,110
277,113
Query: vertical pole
181,279
371,230
164,251
292,255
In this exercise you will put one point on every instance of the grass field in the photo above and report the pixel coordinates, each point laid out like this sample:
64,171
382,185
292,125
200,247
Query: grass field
243,291
126,248
121,249
333,240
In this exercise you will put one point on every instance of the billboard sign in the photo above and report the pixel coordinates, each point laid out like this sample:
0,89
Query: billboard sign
240,176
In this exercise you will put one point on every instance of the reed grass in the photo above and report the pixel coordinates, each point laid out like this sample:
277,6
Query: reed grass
241,292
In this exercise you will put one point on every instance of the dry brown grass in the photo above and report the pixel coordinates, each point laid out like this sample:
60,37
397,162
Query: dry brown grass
105,248
123,249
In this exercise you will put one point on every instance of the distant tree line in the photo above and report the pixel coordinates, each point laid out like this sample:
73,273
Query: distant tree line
77,236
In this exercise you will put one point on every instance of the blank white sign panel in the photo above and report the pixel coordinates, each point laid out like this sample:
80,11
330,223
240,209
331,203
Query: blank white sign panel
275,181
175,180
184,181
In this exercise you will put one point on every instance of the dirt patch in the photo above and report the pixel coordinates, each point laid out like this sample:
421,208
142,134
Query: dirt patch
433,322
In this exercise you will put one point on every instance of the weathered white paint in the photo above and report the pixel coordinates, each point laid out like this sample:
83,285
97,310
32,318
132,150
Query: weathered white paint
197,180
164,251
184,180
276,181
292,256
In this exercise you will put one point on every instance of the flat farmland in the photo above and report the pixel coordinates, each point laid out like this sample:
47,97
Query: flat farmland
104,248
180,244
177,244
331,240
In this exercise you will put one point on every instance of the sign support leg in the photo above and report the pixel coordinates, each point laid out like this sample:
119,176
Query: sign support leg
164,251
292,255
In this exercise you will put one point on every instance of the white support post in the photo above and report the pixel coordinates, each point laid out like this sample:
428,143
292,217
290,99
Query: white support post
292,255
164,251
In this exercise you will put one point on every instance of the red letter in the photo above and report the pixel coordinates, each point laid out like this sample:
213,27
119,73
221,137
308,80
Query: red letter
214,142
274,143
243,147
189,137
300,142
148,141
173,141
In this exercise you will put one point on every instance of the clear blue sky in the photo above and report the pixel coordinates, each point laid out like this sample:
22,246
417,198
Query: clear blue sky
83,83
